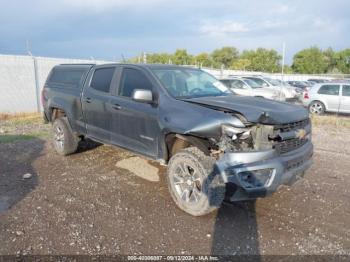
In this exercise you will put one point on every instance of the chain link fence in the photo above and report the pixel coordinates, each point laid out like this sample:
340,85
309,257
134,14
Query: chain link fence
22,78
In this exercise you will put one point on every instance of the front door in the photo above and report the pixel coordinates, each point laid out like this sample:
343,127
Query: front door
330,94
137,127
345,99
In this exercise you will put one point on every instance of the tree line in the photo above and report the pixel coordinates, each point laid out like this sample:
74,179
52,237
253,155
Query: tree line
311,60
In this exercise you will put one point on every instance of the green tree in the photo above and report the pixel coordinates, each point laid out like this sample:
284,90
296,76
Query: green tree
224,56
241,64
159,58
133,60
181,57
310,61
343,61
261,59
287,69
203,59
331,60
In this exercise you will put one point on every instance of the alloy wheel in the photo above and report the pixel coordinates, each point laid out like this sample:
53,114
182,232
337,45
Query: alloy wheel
316,108
187,183
59,137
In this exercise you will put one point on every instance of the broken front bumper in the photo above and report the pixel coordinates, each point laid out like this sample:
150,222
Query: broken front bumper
260,173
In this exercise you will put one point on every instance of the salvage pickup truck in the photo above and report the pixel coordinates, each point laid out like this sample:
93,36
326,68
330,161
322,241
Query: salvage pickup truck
217,146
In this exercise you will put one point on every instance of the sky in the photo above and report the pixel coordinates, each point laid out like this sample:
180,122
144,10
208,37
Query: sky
112,29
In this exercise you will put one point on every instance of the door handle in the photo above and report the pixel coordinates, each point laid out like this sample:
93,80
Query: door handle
88,100
117,107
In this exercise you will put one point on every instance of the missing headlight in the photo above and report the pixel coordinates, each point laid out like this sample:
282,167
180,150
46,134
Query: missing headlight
235,139
235,132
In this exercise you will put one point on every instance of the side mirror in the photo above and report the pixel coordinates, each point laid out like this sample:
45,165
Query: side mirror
142,95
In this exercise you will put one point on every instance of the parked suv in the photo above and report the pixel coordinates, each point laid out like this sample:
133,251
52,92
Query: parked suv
185,119
328,97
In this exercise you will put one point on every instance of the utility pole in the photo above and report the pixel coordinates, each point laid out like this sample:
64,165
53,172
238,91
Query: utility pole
28,48
144,58
283,57
222,70
124,60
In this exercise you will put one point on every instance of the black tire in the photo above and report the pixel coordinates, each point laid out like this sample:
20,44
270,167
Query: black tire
317,107
64,140
208,189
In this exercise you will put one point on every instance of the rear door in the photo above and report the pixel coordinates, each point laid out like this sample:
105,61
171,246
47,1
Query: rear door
330,95
96,99
137,127
345,99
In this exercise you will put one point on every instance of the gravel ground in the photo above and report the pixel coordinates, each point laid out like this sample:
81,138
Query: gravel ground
91,203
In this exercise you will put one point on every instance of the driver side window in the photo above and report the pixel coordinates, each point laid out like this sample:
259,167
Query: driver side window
133,79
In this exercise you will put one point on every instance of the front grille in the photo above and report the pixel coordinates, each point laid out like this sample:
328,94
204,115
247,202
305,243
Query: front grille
293,126
289,145
285,146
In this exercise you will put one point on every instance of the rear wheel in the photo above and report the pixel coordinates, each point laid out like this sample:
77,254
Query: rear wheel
65,141
193,182
317,107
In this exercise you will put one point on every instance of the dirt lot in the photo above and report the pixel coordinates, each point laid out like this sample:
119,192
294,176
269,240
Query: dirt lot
90,203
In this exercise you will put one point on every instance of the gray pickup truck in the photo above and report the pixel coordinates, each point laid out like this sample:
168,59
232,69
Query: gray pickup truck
217,146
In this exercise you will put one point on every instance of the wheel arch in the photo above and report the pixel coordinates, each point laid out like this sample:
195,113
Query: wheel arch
175,142
56,112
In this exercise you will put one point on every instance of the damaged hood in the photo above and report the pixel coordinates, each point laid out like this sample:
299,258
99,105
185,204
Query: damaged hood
254,109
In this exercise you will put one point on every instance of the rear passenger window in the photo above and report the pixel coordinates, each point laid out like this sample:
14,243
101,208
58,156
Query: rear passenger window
329,90
102,79
133,79
346,90
67,76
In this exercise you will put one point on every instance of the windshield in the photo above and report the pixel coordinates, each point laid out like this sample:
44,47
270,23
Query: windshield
273,81
252,84
259,81
284,83
190,83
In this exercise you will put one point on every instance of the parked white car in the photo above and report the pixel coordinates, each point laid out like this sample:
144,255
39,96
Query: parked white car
247,87
328,97
288,91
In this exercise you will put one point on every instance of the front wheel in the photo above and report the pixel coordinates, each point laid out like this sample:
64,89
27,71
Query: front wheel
193,182
64,139
317,107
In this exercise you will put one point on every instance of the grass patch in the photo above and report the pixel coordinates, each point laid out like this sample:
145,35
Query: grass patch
22,119
4,116
331,120
15,138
